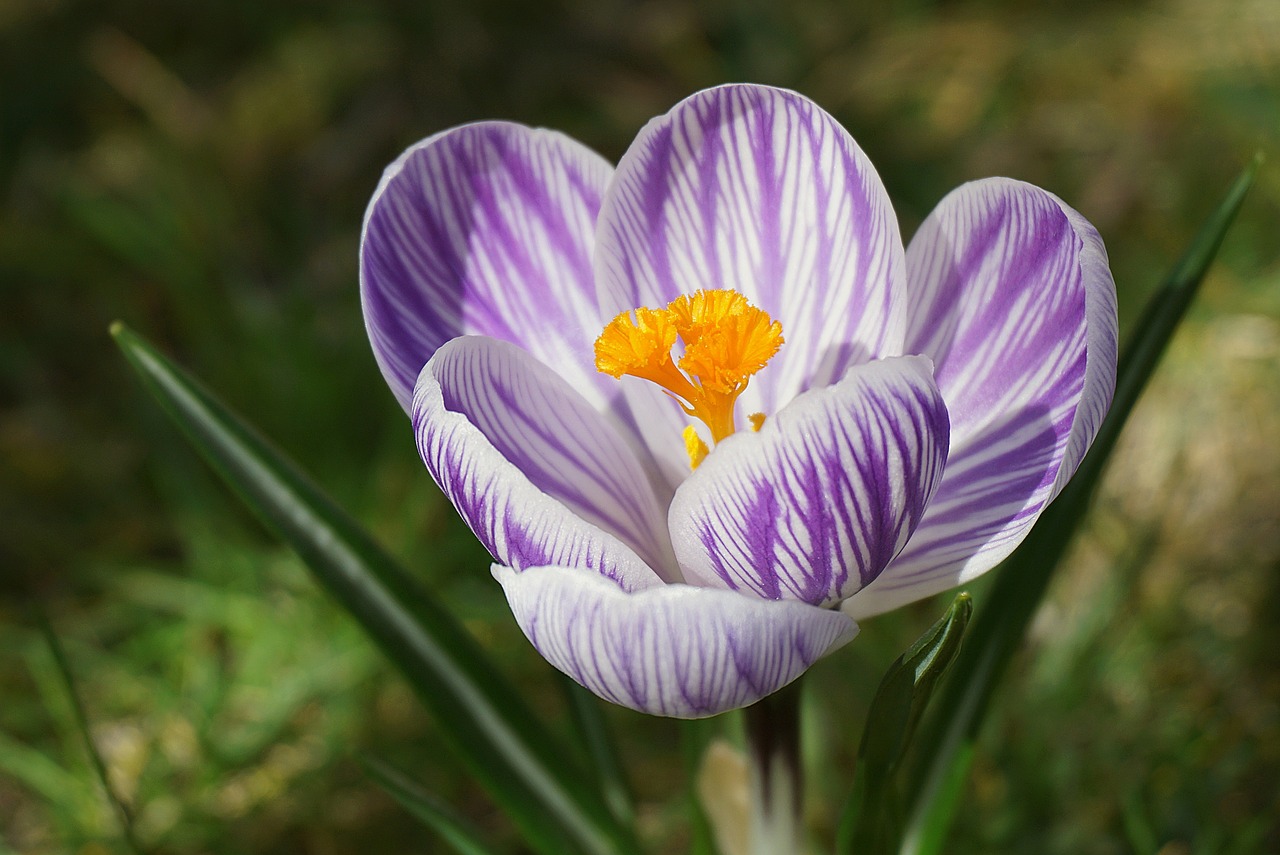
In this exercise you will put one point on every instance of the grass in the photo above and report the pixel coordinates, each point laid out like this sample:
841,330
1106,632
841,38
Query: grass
202,174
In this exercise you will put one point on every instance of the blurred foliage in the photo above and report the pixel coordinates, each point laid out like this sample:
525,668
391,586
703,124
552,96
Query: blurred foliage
200,170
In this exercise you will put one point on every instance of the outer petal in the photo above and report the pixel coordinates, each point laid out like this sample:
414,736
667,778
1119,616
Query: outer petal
758,190
485,229
1013,300
539,476
670,650
818,502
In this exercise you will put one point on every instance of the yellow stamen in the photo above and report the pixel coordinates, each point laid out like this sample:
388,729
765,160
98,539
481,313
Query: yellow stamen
693,314
726,340
757,421
694,446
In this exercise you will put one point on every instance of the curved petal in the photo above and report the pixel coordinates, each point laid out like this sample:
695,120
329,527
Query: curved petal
758,190
539,476
1014,301
817,503
485,229
671,650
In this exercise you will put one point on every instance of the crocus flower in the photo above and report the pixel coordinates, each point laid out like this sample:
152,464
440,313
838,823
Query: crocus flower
703,409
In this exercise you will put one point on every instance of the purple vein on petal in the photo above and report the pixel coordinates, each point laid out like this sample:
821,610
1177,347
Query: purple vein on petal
484,229
552,437
1017,309
817,504
758,190
519,523
671,650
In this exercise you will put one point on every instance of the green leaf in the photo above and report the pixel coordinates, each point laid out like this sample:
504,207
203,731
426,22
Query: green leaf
592,731
695,737
872,820
1024,577
452,828
503,744
82,725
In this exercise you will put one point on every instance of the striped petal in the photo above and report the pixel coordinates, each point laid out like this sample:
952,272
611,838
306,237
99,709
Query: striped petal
538,475
485,229
1013,300
817,503
671,650
758,190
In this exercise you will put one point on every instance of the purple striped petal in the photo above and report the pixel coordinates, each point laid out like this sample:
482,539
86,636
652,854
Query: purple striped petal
671,650
1013,300
817,503
538,475
759,190
485,229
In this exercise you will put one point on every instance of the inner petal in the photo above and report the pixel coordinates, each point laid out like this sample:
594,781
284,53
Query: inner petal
759,190
551,436
814,505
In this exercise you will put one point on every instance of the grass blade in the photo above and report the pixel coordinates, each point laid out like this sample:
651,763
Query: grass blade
82,724
1024,576
695,738
452,828
504,745
592,730
872,820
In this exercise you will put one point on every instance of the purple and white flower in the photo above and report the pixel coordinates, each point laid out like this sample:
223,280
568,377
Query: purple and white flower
927,406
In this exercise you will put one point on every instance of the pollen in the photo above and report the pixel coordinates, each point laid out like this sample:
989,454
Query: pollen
694,446
630,344
724,354
724,341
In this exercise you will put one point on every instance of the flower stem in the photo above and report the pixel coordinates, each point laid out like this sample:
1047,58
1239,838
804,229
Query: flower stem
773,749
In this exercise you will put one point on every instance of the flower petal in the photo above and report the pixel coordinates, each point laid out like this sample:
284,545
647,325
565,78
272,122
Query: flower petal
816,504
671,650
485,229
1014,302
538,475
758,190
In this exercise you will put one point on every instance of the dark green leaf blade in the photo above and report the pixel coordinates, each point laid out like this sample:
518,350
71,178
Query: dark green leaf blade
1024,577
81,718
696,737
452,828
871,823
504,745
592,730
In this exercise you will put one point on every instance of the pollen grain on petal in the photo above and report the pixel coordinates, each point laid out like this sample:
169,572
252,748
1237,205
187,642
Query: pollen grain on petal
757,421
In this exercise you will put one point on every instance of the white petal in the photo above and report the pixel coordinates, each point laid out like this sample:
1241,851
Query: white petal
485,229
671,650
1013,300
758,190
537,474
816,504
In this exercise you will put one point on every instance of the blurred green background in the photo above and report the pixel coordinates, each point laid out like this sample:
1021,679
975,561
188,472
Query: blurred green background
201,170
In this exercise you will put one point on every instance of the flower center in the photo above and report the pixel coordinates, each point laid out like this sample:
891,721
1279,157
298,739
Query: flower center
725,340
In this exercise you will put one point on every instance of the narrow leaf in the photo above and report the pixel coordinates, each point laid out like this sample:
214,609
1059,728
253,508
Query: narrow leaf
452,828
871,824
504,745
592,731
929,835
1024,577
695,738
82,724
